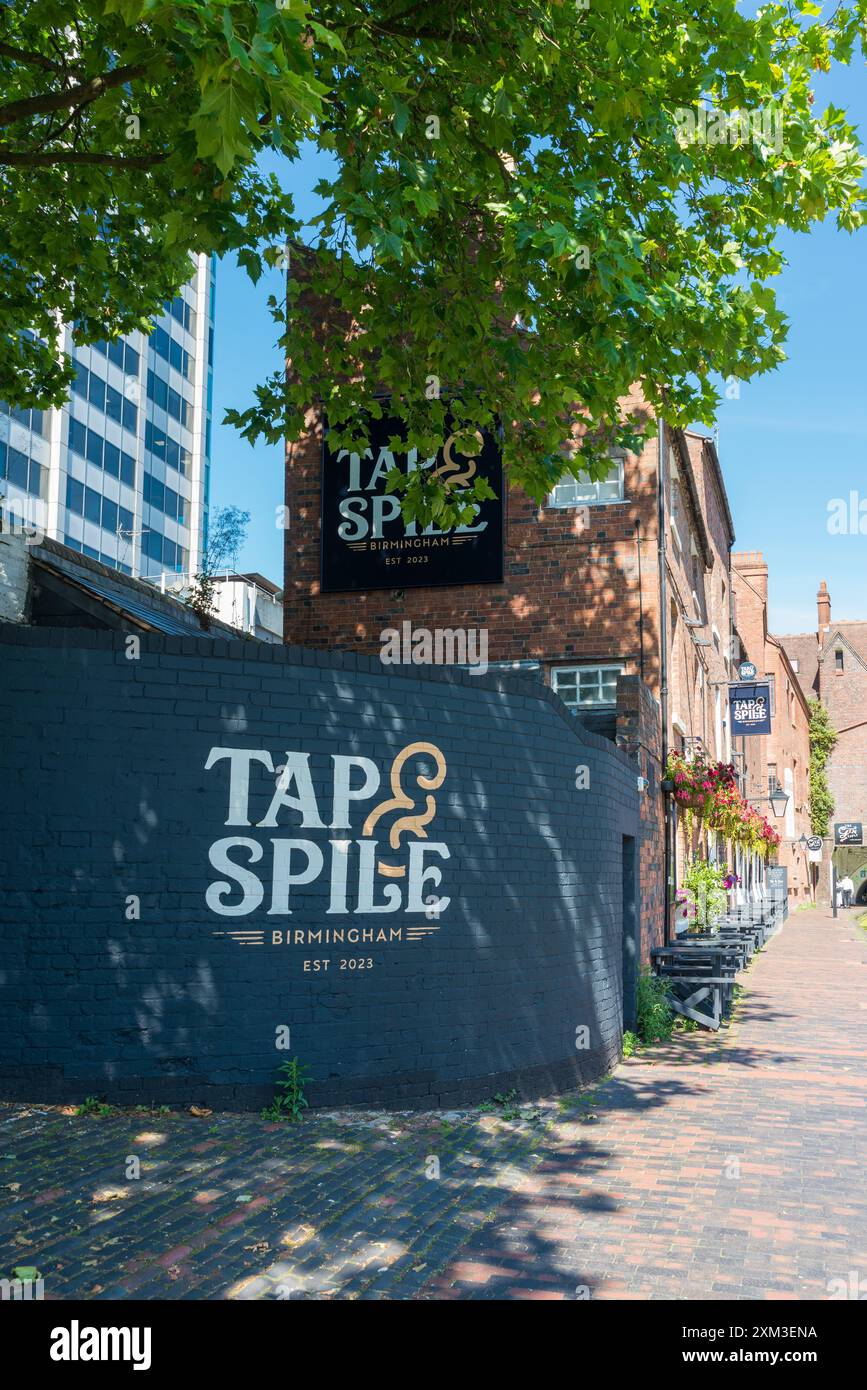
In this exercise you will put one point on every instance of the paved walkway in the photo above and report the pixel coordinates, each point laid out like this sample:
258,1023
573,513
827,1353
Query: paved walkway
726,1171
723,1166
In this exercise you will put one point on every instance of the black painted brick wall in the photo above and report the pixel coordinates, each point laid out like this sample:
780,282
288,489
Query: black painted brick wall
105,795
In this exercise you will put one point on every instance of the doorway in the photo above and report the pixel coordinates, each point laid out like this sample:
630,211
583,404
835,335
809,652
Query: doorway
631,931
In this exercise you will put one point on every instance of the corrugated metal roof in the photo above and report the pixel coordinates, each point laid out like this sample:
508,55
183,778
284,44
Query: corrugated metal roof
154,615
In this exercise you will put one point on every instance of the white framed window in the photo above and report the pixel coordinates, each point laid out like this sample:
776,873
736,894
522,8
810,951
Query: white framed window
572,491
586,687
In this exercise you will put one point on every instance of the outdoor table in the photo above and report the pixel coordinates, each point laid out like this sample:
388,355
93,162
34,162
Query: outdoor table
747,932
733,941
700,975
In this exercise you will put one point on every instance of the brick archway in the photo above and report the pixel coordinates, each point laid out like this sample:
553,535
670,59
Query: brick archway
852,860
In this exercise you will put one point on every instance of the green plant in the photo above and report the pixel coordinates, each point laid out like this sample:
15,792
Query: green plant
290,1100
705,884
653,1011
506,1102
631,1044
823,737
91,1106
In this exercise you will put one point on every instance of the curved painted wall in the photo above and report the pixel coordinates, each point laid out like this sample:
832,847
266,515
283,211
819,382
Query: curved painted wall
209,848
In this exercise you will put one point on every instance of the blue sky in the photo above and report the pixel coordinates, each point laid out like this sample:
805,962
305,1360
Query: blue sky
789,445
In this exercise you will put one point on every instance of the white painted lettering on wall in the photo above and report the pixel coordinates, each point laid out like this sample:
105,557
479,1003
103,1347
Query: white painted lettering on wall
389,865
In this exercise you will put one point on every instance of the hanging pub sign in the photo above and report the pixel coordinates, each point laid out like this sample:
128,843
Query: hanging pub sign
747,671
848,832
750,708
366,544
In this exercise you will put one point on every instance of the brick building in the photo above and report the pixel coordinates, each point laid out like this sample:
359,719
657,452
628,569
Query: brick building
780,759
831,665
582,601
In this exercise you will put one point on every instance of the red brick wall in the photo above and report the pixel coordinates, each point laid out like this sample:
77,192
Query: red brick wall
787,747
845,698
571,593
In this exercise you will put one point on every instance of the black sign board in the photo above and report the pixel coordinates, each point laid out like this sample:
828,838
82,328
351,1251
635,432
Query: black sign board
366,544
848,832
778,881
814,842
750,708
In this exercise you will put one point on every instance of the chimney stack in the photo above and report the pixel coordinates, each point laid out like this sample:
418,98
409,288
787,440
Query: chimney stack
751,564
823,606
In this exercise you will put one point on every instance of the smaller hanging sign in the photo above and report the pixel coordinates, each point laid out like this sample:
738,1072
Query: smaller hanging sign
750,708
848,832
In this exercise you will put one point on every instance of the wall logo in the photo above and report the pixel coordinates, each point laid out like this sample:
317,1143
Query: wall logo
385,871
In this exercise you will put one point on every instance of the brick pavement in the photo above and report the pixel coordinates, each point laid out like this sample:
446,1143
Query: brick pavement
722,1169
715,1167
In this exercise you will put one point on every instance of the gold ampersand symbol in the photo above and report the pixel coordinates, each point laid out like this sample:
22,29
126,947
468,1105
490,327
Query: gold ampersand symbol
450,466
401,801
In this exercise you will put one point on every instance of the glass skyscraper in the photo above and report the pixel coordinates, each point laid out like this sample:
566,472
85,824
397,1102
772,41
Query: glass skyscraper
121,472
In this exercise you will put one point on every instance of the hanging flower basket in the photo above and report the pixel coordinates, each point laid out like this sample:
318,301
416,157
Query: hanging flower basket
710,791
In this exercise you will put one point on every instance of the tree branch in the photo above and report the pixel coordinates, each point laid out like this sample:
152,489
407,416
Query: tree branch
35,60
33,159
72,96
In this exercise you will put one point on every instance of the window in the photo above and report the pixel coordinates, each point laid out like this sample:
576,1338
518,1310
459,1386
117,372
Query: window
161,444
78,438
579,491
585,687
111,459
92,506
796,666
773,781
96,394
838,660
82,376
74,495
94,448
158,390
16,467
113,404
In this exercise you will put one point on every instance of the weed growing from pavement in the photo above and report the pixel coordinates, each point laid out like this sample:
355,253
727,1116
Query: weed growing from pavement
654,1014
503,1102
289,1104
92,1106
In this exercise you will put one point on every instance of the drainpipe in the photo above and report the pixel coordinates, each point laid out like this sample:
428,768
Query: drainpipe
668,805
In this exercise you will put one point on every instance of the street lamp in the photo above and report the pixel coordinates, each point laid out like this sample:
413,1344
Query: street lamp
779,801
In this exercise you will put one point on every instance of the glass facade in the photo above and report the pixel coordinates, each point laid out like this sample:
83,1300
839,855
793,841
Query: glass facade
122,471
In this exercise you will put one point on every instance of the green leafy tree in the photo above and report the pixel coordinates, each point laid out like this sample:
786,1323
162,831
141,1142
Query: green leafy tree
524,211
823,737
